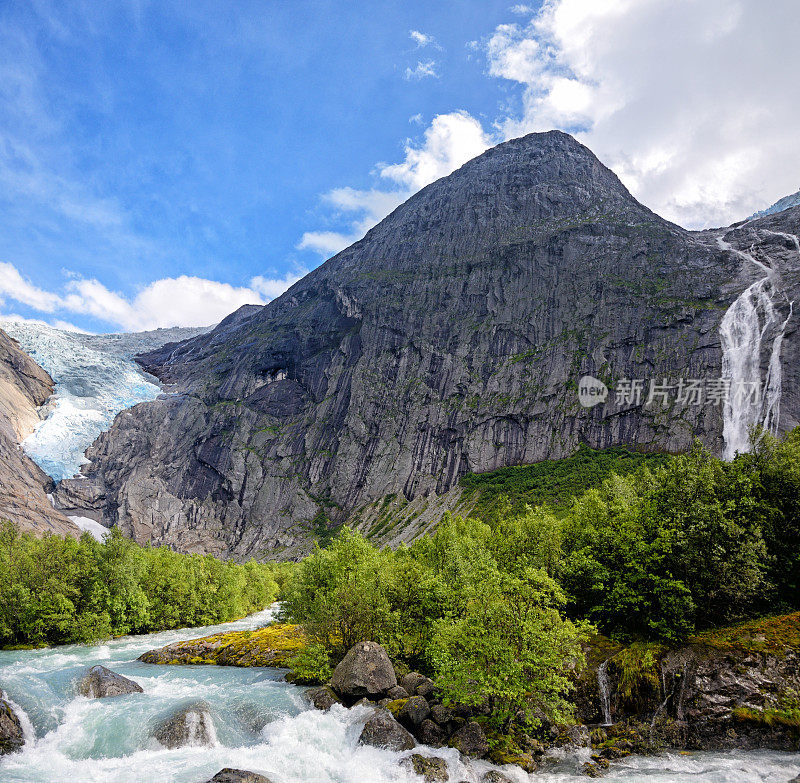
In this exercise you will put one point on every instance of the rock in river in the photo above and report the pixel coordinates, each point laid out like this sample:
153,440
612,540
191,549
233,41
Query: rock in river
383,731
101,682
229,775
11,736
192,726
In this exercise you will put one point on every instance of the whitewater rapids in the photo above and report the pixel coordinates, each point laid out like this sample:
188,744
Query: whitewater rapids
262,724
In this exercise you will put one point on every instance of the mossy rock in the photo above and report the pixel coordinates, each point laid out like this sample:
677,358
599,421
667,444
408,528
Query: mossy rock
396,705
273,646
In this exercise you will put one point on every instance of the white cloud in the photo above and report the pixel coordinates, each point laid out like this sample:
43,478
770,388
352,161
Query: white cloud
422,70
172,301
449,142
423,39
689,102
521,10
16,287
363,208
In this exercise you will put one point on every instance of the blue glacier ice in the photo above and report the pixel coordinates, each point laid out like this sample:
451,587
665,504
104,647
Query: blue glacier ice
787,202
95,378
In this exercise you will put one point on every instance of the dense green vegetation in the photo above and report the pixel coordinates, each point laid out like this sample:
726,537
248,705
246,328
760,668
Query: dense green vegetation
554,482
497,609
446,606
58,590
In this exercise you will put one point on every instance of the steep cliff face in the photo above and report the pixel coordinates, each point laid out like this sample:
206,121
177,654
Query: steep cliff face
450,339
24,388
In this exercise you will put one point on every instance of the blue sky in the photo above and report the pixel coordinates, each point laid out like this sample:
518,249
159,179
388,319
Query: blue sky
161,163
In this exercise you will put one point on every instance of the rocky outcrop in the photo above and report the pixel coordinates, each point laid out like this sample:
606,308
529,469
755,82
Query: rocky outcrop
229,775
734,688
365,672
11,735
383,731
24,388
191,726
450,339
272,645
101,683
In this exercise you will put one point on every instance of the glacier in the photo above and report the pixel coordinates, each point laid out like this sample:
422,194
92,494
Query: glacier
95,379
787,202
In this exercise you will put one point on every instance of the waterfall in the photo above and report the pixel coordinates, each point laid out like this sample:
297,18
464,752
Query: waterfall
605,693
746,326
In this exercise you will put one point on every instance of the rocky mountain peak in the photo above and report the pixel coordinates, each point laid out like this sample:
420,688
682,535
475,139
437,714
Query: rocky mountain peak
449,339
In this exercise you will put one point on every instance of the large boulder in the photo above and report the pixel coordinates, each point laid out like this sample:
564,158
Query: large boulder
191,726
431,769
493,776
323,698
413,712
11,736
100,683
383,731
365,671
229,775
431,733
470,741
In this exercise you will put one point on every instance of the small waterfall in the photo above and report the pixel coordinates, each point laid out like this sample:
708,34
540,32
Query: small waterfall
747,323
605,693
28,732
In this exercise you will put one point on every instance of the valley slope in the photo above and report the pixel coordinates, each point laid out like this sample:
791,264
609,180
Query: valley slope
24,388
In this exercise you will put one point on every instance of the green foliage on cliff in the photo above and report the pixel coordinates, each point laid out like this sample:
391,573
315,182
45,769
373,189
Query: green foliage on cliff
554,482
60,590
693,544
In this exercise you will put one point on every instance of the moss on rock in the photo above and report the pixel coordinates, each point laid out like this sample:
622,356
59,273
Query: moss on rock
273,645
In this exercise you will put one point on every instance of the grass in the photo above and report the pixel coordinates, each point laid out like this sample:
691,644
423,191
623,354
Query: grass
554,482
765,635
786,718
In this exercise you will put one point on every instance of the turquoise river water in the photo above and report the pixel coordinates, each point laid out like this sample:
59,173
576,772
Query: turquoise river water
261,724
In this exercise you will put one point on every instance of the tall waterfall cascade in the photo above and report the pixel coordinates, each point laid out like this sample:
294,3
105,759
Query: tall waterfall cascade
751,331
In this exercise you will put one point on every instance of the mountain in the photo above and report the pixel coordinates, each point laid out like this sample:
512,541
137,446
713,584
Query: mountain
24,389
451,339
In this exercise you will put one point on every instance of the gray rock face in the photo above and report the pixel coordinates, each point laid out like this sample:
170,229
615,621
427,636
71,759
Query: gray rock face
190,726
365,671
711,699
450,339
229,775
101,683
11,736
24,388
383,731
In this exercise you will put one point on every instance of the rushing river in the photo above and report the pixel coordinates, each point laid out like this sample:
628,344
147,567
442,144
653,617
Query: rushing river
261,723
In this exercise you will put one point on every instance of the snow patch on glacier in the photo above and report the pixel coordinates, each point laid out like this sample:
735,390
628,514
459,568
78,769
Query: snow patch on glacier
95,378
